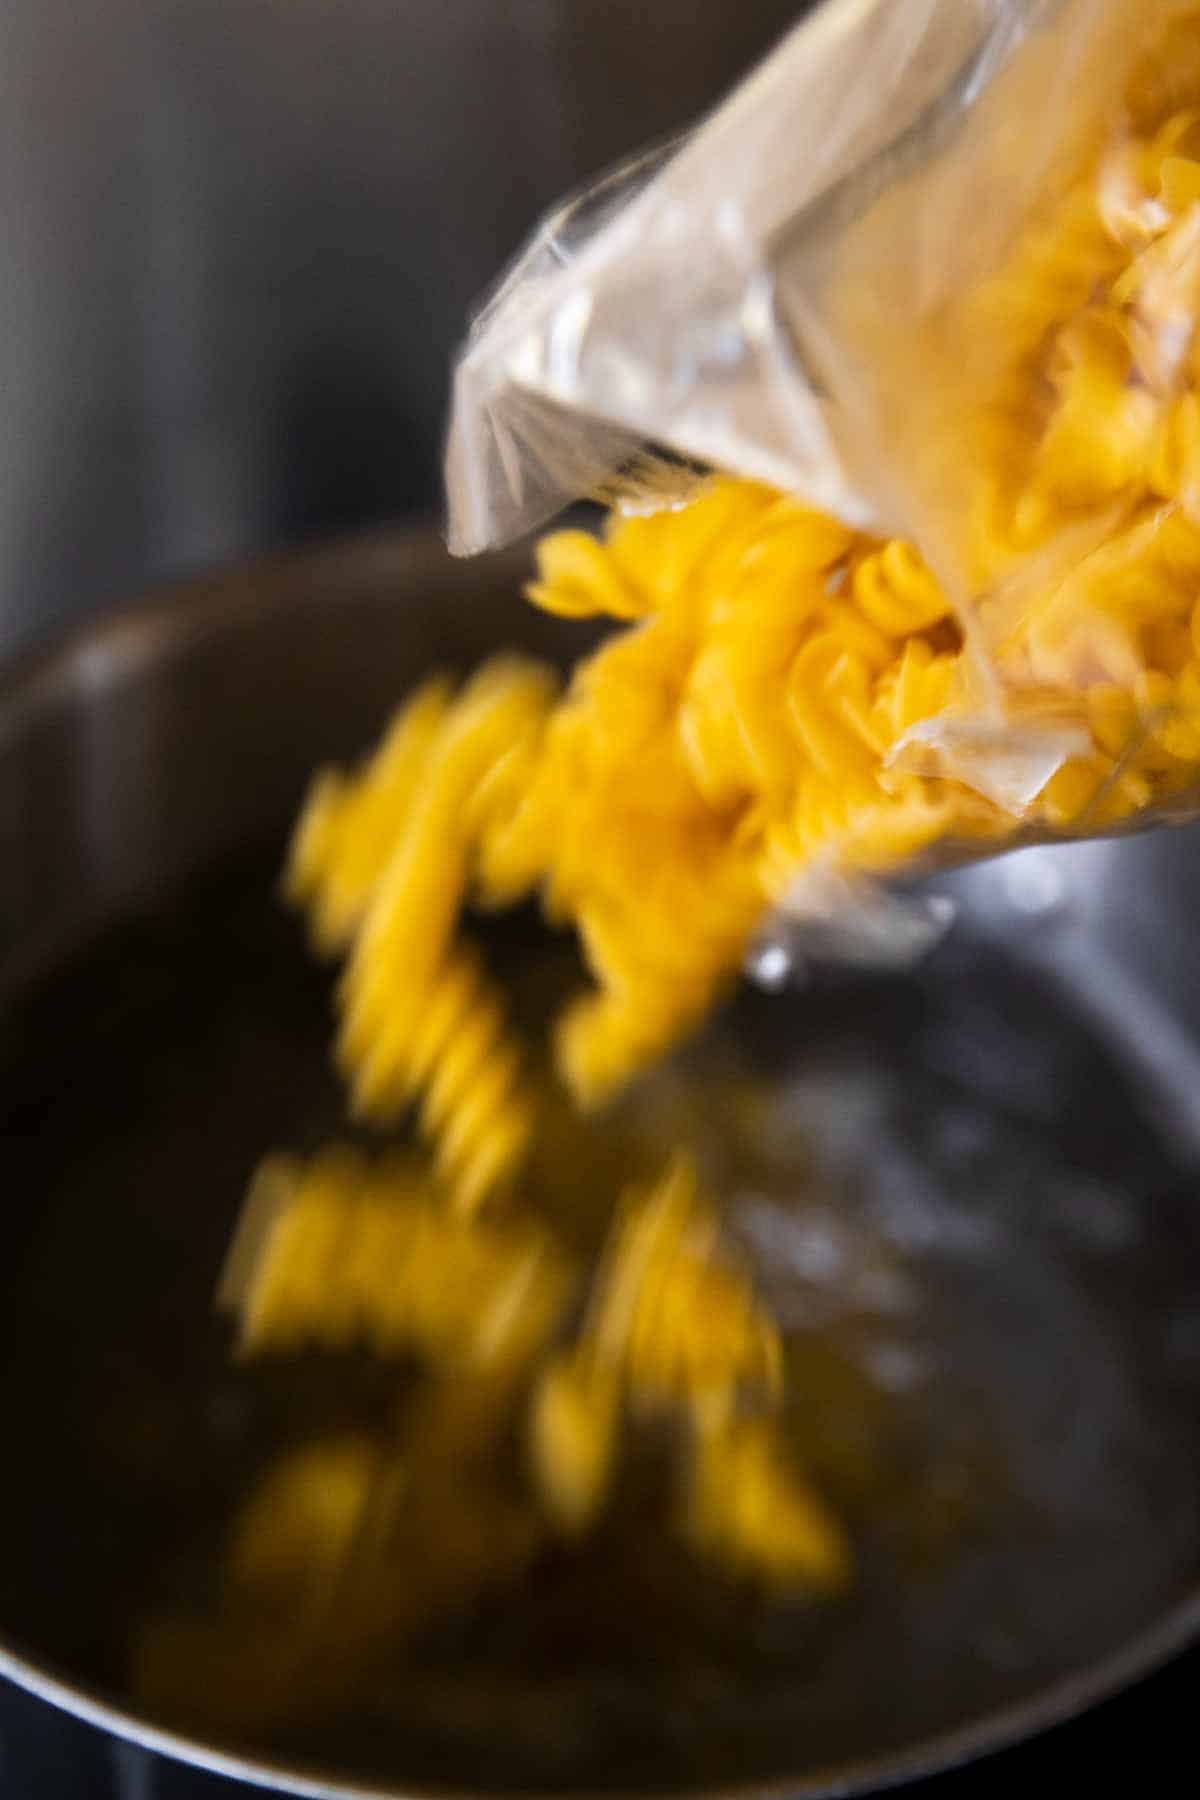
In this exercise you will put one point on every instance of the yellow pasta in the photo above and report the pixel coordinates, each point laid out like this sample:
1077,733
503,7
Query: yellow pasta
677,1314
456,1056
299,1523
894,591
750,1508
574,1438
341,1251
344,1551
347,1251
349,826
674,1326
782,699
382,863
783,711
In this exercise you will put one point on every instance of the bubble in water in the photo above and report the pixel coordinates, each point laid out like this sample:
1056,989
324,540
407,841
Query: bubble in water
1034,884
897,1367
770,965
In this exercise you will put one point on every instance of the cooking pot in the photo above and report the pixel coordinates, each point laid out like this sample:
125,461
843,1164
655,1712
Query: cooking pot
1018,1127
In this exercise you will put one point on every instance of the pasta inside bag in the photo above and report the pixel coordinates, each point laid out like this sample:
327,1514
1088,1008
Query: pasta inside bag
892,370
933,270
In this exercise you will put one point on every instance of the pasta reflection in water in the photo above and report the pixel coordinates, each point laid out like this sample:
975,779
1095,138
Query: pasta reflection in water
527,1385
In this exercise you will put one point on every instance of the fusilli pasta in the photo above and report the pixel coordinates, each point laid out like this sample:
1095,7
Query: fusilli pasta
339,1252
383,863
784,696
344,1251
674,1327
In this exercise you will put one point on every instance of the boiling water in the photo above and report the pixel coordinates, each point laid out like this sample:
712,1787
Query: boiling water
986,1258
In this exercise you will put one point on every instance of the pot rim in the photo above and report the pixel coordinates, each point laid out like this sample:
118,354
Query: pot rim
1063,1701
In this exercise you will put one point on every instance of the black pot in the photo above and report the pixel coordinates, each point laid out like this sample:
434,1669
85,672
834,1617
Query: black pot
161,1028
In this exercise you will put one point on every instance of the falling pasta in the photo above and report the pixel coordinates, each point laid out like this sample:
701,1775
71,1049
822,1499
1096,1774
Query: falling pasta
675,1328
345,1250
339,1252
782,699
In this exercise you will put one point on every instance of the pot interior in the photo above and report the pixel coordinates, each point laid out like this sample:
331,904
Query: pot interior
966,1202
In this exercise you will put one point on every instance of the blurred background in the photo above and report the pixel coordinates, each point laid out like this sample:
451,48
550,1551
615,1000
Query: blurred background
242,237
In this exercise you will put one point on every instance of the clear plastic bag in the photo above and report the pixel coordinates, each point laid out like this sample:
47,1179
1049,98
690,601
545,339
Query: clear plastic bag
933,271
690,300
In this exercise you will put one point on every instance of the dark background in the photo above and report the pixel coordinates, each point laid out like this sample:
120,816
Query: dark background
240,239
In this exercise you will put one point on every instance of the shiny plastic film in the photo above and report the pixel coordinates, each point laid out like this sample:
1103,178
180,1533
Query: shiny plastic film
889,373
671,306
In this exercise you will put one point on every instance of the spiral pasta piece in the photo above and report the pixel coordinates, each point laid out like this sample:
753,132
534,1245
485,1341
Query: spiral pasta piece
345,1549
387,1028
896,592
340,1251
475,1110
680,1314
577,581
419,1019
673,1323
415,907
749,1507
604,1040
574,1438
348,825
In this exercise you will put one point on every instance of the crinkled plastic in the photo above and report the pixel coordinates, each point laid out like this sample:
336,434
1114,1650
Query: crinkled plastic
688,301
934,268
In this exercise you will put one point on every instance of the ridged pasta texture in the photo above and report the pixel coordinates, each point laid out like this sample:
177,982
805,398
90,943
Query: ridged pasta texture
675,1329
383,860
768,718
345,1252
340,1252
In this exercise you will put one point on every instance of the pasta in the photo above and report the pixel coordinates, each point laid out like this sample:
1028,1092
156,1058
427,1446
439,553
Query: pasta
339,1252
457,1059
347,1251
575,1437
676,1314
785,697
747,1507
382,863
674,1327
338,856
342,1553
666,1324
